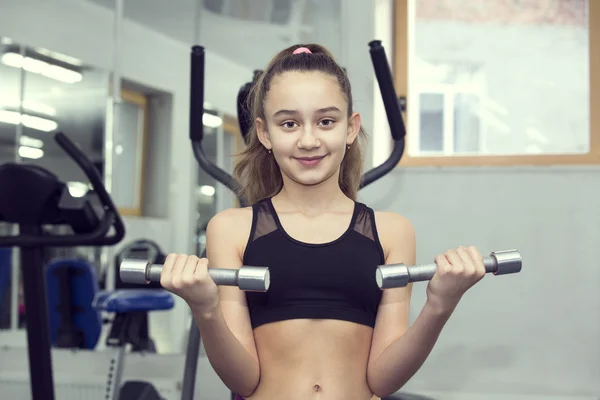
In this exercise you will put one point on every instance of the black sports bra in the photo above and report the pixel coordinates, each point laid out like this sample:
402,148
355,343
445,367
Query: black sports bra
334,280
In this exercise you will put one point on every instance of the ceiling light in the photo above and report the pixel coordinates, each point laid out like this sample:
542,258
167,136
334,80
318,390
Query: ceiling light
37,123
77,189
30,142
207,190
29,105
10,117
40,124
212,121
43,68
30,152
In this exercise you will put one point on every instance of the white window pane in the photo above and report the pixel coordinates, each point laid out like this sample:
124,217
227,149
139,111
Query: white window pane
514,76
467,123
431,122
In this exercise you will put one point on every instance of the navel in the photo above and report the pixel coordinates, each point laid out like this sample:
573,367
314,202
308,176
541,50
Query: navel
317,388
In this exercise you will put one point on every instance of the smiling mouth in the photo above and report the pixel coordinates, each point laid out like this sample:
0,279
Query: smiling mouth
309,161
309,158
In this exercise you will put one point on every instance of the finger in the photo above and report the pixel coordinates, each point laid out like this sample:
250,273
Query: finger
179,264
187,275
454,260
466,259
165,275
443,266
168,264
477,259
201,271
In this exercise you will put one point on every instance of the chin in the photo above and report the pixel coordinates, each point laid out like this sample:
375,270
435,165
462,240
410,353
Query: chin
311,178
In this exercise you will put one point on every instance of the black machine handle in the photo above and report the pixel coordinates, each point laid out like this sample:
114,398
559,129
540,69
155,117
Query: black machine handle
383,74
197,126
97,237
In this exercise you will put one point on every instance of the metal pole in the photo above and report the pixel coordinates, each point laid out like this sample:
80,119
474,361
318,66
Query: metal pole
112,131
36,316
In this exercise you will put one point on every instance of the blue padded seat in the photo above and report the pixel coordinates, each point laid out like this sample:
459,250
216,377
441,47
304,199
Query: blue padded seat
133,300
71,285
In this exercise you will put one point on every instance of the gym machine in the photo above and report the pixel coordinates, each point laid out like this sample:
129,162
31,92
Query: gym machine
44,200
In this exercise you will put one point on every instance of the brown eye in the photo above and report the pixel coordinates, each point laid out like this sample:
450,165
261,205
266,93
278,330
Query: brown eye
327,122
289,124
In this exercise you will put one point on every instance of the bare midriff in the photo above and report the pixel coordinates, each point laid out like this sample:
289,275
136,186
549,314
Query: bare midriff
313,359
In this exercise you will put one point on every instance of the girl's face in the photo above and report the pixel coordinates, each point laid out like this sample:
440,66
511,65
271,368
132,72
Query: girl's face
306,126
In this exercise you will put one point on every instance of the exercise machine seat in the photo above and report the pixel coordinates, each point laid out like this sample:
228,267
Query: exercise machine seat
131,307
133,300
71,285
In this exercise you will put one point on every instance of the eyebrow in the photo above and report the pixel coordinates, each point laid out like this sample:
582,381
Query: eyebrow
294,112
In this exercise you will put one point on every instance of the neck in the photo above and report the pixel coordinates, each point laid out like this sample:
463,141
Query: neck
315,199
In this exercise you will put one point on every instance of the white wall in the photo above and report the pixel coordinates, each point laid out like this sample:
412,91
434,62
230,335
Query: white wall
534,333
84,30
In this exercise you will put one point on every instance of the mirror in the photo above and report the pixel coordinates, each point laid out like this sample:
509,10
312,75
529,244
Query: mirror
43,92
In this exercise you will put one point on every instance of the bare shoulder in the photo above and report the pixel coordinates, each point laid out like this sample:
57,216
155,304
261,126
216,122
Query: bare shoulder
230,227
396,233
237,216
391,223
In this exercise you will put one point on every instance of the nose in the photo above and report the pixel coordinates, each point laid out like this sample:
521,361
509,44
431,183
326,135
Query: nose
308,140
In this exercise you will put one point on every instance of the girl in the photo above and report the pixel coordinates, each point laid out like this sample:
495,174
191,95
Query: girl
324,330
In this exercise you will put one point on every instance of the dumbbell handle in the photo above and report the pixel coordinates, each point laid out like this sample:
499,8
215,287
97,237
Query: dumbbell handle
253,279
399,275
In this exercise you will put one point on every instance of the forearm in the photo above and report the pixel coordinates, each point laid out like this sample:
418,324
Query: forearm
236,367
402,359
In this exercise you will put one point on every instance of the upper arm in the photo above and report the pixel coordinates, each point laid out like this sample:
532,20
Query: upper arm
226,236
398,240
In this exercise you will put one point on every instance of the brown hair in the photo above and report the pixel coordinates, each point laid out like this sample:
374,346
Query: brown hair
256,170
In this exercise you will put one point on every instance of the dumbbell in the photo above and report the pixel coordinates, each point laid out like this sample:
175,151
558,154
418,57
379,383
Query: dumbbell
399,275
251,279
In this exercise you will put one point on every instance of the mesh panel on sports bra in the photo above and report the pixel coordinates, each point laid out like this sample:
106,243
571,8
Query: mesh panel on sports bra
264,220
364,223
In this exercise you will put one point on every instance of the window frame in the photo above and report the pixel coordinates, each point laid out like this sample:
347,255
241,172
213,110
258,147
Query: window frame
141,101
400,69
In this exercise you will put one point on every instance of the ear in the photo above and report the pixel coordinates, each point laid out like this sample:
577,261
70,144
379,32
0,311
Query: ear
262,133
353,128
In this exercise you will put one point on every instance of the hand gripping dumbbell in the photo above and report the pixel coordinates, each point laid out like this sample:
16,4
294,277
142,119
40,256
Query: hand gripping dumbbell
399,275
251,279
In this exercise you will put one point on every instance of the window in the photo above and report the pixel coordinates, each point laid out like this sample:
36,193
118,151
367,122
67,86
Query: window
129,152
500,82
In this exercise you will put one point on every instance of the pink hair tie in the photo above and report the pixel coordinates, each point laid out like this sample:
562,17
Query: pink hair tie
302,50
